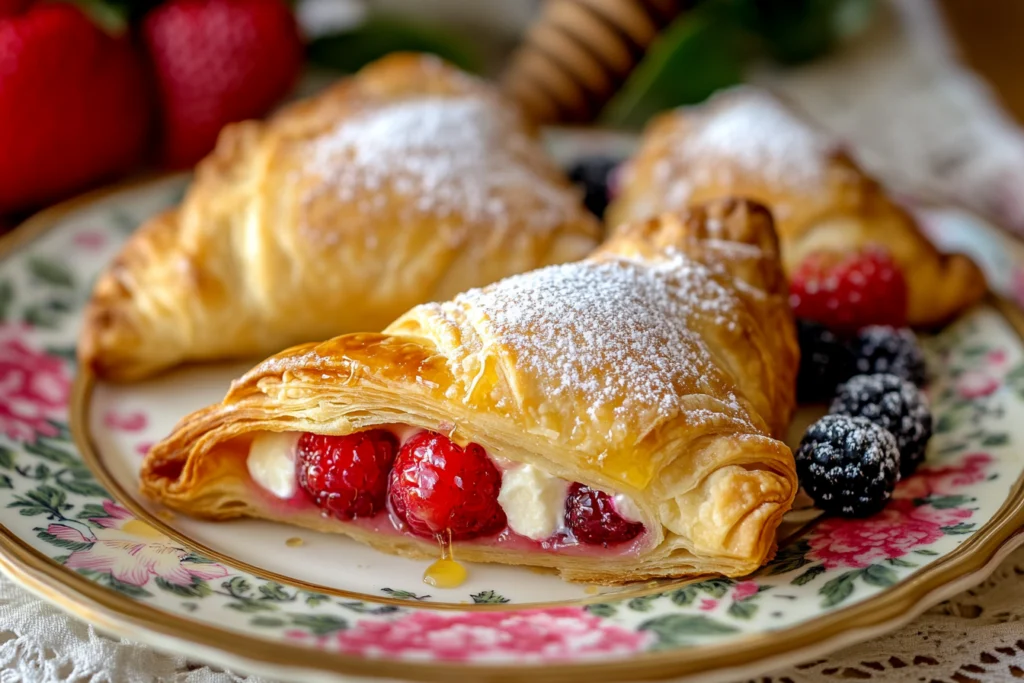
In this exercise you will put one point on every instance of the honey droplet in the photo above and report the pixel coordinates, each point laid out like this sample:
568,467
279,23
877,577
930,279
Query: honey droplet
294,542
446,572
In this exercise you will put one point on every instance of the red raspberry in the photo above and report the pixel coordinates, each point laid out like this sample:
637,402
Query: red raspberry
438,487
592,518
848,292
347,476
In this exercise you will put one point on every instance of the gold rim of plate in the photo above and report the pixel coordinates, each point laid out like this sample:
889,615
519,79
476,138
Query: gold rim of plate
890,608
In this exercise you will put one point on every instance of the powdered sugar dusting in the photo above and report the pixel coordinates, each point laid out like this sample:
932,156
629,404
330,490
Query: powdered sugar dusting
615,333
462,156
750,132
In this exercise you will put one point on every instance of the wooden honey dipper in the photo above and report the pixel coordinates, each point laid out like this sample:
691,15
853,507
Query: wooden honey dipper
578,52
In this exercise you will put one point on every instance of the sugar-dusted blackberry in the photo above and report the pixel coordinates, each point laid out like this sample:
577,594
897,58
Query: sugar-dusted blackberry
848,465
593,175
894,404
825,362
880,349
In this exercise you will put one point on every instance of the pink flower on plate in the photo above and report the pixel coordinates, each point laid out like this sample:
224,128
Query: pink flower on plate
707,605
132,551
143,448
90,239
946,480
529,636
976,384
34,387
996,357
125,421
744,590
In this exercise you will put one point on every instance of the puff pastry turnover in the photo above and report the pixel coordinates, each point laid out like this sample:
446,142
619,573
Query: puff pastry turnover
409,182
657,375
744,142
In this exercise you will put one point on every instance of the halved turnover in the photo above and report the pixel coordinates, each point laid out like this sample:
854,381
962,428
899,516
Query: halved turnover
616,418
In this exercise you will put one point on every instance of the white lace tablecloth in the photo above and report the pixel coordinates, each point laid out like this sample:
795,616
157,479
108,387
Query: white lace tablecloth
928,128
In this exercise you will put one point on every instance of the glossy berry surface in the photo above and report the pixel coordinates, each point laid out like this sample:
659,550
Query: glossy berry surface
883,349
848,465
440,488
594,176
346,476
895,404
846,292
591,516
826,361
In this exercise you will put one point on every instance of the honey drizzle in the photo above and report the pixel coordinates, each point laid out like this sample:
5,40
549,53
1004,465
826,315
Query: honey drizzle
446,572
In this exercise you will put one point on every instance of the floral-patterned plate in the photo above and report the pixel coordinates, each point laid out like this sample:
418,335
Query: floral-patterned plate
300,605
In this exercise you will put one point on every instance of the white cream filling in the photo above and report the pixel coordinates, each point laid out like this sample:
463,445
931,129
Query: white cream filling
533,501
271,462
626,508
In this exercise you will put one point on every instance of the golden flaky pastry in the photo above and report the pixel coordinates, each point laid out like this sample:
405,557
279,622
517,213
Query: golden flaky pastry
409,182
746,143
660,371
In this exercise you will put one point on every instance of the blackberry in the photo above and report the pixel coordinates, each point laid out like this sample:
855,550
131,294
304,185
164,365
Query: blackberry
592,175
882,349
894,404
848,465
825,362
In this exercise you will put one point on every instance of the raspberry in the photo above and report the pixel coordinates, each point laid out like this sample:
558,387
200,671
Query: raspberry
848,465
846,293
895,404
825,362
591,516
880,349
346,476
438,487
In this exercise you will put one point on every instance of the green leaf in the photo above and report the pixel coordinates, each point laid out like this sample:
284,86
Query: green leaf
999,439
644,603
716,588
51,272
925,551
91,510
272,590
129,589
947,422
5,482
958,529
488,598
6,458
679,629
744,609
795,32
319,624
699,53
43,499
363,608
602,609
683,596
236,586
63,543
809,575
52,453
6,298
838,589
879,575
945,502
268,622
403,595
897,562
83,488
190,606
314,599
198,559
197,589
380,35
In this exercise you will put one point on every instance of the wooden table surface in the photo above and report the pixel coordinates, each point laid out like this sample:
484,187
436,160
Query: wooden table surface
990,34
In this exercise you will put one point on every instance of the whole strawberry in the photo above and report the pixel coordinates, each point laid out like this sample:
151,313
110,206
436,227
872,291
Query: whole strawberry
73,104
217,61
845,292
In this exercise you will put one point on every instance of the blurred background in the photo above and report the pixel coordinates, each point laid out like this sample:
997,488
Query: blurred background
92,91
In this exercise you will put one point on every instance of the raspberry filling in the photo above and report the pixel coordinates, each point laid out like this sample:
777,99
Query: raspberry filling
435,488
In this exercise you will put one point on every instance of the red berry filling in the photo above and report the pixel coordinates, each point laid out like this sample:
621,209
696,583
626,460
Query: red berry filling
591,516
438,487
346,476
848,292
